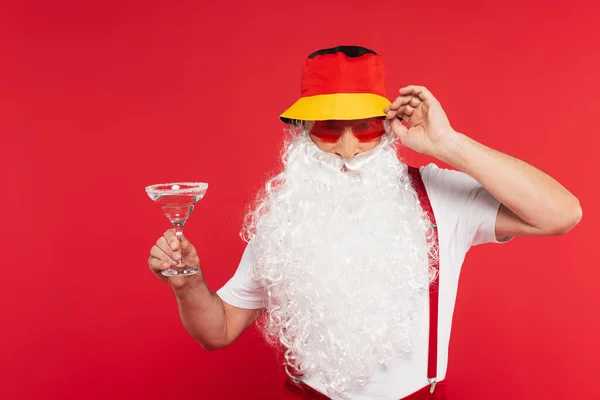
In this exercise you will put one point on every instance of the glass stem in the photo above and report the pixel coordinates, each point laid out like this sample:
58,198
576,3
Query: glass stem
179,233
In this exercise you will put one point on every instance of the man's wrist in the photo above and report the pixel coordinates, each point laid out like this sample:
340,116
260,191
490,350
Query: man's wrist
451,149
191,286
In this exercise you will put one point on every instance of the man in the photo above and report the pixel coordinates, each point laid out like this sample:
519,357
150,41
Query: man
353,256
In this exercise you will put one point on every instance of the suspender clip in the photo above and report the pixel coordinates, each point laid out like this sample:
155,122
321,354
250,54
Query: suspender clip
432,382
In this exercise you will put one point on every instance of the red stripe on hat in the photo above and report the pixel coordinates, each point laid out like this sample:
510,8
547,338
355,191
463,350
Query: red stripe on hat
338,73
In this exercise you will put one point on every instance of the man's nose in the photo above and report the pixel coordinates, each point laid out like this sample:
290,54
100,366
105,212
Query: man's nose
347,146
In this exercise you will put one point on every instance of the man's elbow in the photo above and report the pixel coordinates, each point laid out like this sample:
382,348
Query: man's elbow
212,345
569,221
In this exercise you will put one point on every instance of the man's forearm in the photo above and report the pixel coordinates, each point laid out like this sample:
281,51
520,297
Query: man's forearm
534,196
202,314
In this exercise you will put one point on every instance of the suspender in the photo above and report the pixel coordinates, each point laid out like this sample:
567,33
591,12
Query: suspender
419,187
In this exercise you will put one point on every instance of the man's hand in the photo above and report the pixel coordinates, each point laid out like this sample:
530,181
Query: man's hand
426,126
167,252
533,202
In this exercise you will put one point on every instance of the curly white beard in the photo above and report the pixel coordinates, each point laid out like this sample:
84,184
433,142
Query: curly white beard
343,255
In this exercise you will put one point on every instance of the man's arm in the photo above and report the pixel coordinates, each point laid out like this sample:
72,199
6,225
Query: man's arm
533,203
212,322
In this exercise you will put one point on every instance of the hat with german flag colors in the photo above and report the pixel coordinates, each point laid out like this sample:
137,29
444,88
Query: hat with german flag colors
340,83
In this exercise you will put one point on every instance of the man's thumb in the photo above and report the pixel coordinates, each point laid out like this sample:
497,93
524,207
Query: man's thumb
399,129
186,246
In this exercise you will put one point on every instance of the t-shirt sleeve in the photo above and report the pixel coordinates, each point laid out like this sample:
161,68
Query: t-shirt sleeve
463,203
242,290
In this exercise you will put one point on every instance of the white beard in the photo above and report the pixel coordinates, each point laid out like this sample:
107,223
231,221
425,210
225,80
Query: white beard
344,259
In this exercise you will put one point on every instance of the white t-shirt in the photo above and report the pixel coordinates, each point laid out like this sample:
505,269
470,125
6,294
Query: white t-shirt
466,214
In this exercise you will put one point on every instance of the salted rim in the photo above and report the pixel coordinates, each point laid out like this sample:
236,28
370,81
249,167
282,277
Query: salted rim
198,187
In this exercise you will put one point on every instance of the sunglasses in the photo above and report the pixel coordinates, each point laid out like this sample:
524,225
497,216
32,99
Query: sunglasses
364,129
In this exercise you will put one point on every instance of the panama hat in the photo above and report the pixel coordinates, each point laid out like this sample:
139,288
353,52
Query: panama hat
340,83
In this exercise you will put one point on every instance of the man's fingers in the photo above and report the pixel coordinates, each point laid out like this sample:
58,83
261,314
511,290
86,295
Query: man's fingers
156,264
418,91
160,254
171,239
406,110
185,244
174,243
395,109
396,104
412,100
412,89
391,114
167,248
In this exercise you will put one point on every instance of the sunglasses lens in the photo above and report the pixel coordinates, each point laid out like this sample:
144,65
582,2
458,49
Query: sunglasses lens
364,129
329,131
368,129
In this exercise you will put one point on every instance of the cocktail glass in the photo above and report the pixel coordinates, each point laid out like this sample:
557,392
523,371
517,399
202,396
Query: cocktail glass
177,201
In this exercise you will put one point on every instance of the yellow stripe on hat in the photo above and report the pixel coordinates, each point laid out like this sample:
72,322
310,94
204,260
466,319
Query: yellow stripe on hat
340,106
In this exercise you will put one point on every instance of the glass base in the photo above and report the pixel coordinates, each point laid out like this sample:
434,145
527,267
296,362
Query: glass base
180,271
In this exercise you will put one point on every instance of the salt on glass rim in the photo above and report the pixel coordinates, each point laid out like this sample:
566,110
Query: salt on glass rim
175,188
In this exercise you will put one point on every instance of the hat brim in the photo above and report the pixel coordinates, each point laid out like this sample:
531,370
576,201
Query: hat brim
337,106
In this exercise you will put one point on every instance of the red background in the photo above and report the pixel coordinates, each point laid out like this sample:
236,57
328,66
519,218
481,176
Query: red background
99,99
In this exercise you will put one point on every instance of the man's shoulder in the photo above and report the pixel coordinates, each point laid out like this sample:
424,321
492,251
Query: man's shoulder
433,168
435,176
447,188
430,173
